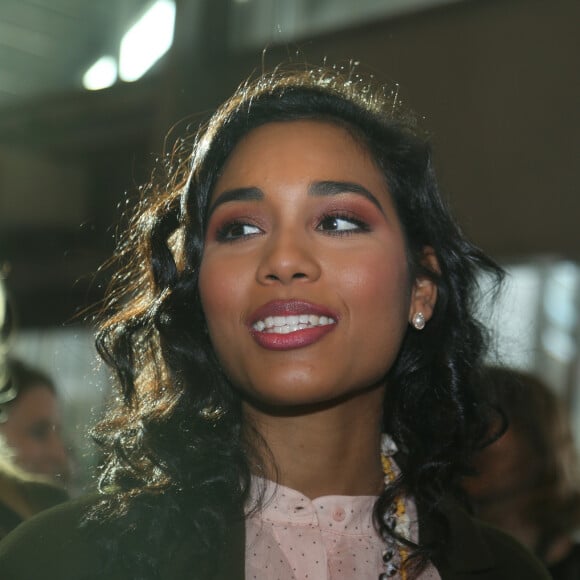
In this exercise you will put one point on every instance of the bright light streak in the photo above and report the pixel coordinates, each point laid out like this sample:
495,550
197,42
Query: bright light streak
147,40
559,344
101,75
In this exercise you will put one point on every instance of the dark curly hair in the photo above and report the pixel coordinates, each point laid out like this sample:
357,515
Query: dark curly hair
167,455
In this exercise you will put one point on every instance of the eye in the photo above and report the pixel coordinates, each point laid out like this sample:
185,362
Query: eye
341,224
236,230
40,432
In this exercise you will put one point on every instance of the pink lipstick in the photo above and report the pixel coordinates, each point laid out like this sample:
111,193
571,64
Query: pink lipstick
290,324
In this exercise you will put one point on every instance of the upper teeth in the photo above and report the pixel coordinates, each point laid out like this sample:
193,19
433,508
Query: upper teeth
286,324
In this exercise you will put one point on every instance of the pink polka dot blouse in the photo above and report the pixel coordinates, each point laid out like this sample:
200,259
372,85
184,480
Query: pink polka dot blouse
328,538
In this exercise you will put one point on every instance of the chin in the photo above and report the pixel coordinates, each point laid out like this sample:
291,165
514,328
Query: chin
303,399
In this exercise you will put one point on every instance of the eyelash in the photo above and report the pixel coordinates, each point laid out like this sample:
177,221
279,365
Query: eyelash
223,234
361,226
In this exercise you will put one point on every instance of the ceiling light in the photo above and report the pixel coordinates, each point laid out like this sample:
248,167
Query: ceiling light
101,75
147,40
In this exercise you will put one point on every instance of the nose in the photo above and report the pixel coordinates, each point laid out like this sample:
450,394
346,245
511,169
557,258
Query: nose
288,257
58,453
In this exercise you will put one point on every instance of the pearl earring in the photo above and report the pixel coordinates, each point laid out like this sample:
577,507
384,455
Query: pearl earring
419,321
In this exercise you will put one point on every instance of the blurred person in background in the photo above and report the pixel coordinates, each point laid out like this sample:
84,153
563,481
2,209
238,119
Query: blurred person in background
21,494
527,481
31,424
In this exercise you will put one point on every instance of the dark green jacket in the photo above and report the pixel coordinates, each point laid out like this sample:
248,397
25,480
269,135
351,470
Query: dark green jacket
35,495
50,547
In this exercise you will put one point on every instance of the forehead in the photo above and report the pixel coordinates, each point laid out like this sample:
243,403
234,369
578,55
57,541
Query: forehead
36,399
293,149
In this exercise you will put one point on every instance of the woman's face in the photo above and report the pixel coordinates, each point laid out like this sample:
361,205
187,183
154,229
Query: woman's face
304,279
33,432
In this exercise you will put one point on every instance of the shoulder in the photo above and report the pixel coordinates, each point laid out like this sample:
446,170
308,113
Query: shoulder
511,559
57,544
35,493
567,568
476,549
51,545
41,496
20,498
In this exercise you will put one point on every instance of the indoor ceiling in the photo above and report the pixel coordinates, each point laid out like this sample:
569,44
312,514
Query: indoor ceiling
496,79
46,45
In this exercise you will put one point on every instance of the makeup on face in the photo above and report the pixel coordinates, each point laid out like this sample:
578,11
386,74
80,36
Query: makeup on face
287,324
304,278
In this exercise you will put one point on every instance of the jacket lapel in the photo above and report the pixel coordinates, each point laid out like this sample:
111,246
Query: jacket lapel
233,564
188,564
466,552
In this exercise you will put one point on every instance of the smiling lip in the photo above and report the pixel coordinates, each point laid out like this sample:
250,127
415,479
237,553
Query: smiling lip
314,322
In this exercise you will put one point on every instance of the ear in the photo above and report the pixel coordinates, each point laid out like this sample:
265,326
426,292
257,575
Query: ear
424,292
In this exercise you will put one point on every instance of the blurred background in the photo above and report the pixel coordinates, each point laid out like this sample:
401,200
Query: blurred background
89,90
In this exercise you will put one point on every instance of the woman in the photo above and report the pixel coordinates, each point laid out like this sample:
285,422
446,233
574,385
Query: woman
294,288
527,481
30,422
21,494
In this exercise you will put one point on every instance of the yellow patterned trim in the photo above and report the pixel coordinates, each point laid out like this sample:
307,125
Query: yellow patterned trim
399,512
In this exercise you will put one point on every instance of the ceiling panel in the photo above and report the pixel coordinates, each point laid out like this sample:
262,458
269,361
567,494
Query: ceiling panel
46,45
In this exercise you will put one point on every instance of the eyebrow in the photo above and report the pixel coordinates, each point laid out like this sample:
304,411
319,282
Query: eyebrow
316,189
324,188
237,194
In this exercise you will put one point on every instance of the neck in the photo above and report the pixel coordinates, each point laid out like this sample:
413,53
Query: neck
325,449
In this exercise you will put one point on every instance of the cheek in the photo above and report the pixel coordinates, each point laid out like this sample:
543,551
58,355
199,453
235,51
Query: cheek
379,285
32,448
221,287
11,432
378,298
222,290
